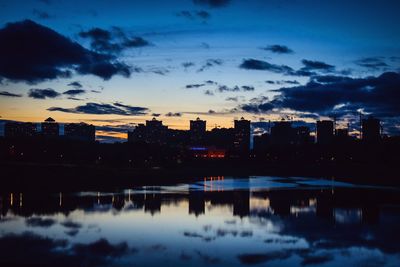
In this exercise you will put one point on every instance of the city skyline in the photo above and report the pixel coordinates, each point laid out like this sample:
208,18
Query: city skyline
125,62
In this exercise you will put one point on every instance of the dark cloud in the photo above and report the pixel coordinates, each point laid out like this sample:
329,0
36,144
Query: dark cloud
75,84
113,41
5,93
191,86
257,108
39,14
159,71
373,63
193,15
121,128
173,114
254,64
338,95
136,42
43,93
40,222
212,3
224,88
74,92
244,88
34,53
75,98
278,49
316,65
290,82
156,114
187,64
96,108
247,88
209,82
210,63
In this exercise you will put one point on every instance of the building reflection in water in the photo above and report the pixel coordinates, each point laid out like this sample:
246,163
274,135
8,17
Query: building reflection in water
344,207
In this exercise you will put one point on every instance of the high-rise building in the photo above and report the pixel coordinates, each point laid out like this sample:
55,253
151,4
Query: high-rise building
241,140
20,129
371,130
154,132
324,132
50,128
197,131
80,132
282,133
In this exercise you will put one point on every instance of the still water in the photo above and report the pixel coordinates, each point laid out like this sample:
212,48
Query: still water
217,221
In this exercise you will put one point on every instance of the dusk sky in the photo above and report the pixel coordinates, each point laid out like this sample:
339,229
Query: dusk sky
118,63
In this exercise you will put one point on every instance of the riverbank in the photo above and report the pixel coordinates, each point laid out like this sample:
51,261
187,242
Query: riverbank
55,177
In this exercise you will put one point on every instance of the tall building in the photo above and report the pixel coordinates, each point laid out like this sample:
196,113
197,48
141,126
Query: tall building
80,132
20,129
324,132
197,131
241,140
282,133
154,132
50,128
371,130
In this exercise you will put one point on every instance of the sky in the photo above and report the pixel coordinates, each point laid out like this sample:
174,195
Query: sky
118,63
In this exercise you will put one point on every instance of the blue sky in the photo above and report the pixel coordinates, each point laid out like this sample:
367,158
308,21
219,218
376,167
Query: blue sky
214,38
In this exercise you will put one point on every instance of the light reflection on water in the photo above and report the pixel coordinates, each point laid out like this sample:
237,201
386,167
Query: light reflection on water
216,221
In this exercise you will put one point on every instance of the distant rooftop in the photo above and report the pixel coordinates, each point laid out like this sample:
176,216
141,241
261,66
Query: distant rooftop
50,119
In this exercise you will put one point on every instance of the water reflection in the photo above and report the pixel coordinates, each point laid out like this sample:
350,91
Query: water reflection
217,221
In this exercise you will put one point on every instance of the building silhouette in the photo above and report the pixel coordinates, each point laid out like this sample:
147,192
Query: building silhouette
282,133
20,129
371,130
80,132
153,132
197,131
50,128
325,132
241,140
